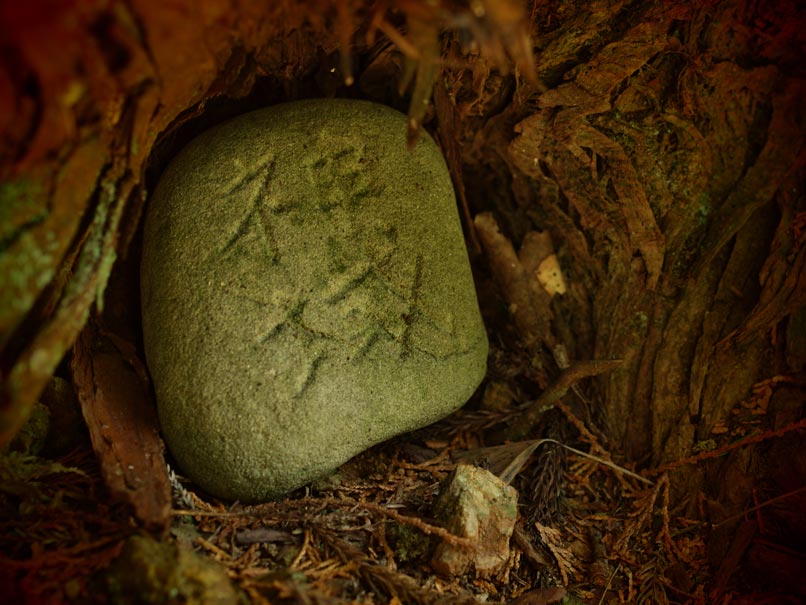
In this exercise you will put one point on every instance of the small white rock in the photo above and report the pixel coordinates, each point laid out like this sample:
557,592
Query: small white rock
475,504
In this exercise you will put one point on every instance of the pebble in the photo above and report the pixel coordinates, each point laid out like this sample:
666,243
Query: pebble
477,505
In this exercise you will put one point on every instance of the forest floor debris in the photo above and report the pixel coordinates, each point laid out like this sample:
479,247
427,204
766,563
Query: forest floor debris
589,534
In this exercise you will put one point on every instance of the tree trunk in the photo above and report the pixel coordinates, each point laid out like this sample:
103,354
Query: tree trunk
659,144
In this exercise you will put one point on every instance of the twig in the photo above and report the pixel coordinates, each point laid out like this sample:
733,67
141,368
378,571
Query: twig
424,527
548,398
210,547
794,426
306,541
607,463
764,504
609,583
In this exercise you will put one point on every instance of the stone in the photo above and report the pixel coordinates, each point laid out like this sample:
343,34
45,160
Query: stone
148,571
477,505
306,294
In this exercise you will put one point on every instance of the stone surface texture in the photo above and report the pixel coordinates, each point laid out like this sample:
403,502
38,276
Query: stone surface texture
475,504
306,294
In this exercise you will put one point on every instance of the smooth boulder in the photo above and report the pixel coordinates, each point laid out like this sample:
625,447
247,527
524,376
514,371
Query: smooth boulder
306,294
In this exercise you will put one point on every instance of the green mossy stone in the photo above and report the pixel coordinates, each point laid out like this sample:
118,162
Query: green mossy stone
149,572
306,294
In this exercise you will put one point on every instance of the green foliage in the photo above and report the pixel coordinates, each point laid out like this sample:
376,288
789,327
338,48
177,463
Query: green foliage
150,572
32,436
409,543
21,204
29,480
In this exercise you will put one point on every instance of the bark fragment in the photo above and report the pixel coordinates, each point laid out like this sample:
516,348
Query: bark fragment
123,428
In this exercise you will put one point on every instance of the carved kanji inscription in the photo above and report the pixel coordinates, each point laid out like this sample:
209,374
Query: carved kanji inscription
361,295
306,294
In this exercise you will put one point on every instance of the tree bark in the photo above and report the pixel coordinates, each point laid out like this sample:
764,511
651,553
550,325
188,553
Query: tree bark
660,144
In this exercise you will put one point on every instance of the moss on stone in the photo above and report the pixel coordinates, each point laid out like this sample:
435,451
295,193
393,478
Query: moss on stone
306,294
